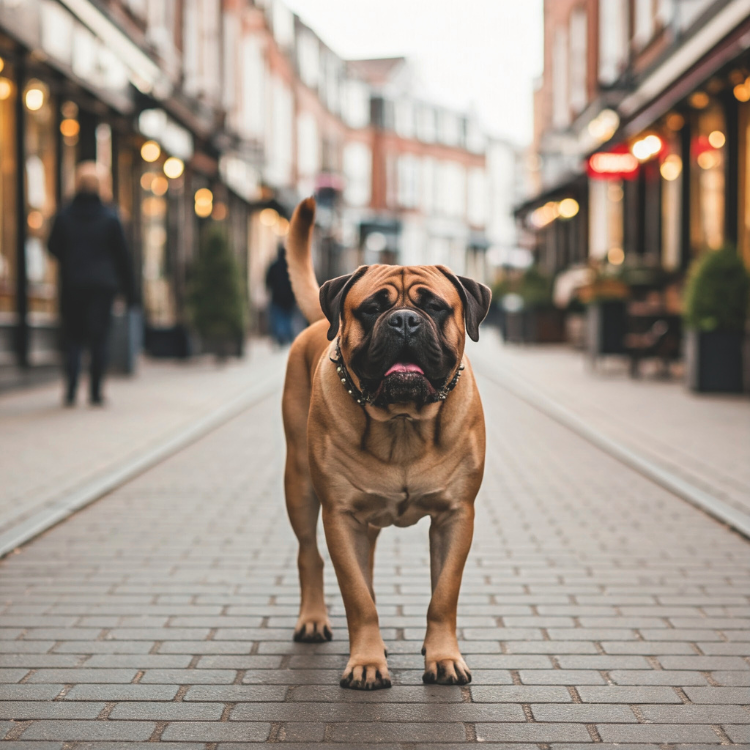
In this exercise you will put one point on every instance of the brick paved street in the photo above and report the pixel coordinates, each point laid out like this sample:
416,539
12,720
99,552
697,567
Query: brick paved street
596,608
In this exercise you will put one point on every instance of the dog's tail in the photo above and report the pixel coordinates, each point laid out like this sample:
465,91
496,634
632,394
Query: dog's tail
299,258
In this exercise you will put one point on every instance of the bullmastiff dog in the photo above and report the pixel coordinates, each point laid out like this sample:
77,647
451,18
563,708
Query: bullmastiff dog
384,426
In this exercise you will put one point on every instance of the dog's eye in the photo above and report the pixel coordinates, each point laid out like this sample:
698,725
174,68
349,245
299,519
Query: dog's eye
371,309
435,306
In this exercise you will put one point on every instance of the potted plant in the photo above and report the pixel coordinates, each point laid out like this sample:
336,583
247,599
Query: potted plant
216,295
716,305
605,301
532,316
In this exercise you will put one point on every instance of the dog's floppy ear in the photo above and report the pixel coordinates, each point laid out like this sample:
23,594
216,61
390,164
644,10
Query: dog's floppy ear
332,296
476,300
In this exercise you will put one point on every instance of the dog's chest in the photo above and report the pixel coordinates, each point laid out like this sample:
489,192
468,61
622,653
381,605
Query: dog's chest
400,500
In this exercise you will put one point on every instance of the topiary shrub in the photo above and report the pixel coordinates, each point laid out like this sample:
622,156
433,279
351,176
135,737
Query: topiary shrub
535,288
716,294
216,293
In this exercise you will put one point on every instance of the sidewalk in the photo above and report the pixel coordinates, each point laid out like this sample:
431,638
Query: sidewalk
704,439
48,452
597,609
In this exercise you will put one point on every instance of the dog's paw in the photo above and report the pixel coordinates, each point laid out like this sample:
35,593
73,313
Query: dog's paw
369,676
313,630
451,671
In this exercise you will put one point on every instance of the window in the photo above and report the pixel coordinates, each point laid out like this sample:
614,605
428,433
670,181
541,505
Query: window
428,189
8,166
449,131
358,173
560,101
426,128
404,114
578,52
707,180
356,104
613,39
644,22
308,140
408,181
40,166
308,57
253,87
477,197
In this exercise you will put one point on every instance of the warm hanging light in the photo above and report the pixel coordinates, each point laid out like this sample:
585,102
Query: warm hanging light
70,128
717,139
647,147
616,256
204,203
150,151
699,100
6,88
159,185
34,98
2,64
568,208
282,227
671,168
742,92
174,167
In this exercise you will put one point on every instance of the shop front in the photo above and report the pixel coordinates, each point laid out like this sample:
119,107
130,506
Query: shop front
65,97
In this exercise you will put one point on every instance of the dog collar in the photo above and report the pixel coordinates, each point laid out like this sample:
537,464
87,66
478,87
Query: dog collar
364,397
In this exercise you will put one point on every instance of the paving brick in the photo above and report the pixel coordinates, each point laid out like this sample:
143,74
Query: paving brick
624,694
139,661
217,731
375,732
89,730
122,693
185,711
26,692
582,713
38,709
561,677
83,675
657,733
397,694
532,733
704,663
696,714
732,679
236,693
189,676
519,694
718,695
657,677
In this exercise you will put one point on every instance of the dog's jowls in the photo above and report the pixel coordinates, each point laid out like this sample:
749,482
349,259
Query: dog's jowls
382,431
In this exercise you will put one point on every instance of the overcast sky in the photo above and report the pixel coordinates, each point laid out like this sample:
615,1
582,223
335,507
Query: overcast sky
481,52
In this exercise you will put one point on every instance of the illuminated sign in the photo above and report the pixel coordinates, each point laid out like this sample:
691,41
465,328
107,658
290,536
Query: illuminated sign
613,165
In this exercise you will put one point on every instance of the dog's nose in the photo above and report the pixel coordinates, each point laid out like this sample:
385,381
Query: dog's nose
405,322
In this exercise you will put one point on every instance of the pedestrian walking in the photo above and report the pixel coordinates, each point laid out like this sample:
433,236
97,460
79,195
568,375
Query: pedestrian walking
281,307
88,240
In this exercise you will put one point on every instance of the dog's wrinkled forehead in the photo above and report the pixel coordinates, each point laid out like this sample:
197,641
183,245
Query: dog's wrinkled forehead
401,285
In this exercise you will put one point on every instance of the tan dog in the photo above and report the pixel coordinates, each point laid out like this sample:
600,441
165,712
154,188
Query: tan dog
384,426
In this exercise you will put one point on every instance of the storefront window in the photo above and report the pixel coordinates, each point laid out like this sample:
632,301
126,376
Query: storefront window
707,179
671,195
41,138
8,237
158,294
69,130
744,205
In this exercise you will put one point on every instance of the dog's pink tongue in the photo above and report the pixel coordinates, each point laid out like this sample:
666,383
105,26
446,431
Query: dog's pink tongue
404,367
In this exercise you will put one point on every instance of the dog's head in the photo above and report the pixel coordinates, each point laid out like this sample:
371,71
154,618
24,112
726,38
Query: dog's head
402,329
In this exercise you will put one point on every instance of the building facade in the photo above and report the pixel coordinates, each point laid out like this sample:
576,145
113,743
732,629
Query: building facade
224,110
641,119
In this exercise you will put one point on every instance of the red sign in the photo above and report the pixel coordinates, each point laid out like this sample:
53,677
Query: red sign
613,165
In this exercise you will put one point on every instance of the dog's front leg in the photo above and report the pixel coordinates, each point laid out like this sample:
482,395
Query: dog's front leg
450,541
349,546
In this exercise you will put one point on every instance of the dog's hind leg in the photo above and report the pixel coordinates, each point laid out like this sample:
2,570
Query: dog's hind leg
303,508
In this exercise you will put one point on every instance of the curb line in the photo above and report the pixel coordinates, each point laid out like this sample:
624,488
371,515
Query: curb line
675,484
95,489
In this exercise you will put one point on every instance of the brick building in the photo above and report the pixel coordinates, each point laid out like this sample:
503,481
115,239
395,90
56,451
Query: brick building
661,86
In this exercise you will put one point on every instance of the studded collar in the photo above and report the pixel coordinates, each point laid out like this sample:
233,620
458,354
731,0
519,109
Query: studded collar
364,397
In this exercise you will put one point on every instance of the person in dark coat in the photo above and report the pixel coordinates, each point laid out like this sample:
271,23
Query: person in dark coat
281,309
88,240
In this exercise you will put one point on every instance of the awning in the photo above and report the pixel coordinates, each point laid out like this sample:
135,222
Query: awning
572,185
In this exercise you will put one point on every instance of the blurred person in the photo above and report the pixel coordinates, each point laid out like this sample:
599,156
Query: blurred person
88,241
282,305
